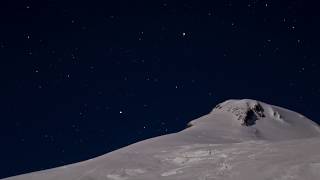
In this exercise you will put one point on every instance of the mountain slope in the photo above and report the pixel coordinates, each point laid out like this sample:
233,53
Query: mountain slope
239,139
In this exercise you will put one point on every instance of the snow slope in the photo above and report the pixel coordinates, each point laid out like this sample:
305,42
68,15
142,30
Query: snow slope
239,140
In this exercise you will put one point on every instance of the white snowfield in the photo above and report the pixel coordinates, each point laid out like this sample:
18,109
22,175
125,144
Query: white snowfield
238,140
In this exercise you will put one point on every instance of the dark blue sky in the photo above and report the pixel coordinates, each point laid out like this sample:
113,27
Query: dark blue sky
80,79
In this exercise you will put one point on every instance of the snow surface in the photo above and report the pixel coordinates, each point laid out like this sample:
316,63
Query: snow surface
239,140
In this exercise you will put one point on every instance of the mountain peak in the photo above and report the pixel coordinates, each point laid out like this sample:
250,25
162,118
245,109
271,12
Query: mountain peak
248,111
246,119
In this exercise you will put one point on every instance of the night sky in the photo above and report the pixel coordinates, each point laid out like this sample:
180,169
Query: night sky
80,79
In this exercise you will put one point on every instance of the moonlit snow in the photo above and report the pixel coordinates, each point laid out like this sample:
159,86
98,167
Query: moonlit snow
238,139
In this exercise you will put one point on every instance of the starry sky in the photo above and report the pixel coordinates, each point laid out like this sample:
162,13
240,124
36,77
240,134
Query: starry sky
83,78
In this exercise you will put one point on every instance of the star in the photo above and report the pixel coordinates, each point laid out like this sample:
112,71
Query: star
302,69
284,20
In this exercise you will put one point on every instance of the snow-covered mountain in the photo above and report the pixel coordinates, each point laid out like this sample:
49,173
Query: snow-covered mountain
239,140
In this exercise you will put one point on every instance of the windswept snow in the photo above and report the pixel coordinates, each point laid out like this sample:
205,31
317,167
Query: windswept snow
238,140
